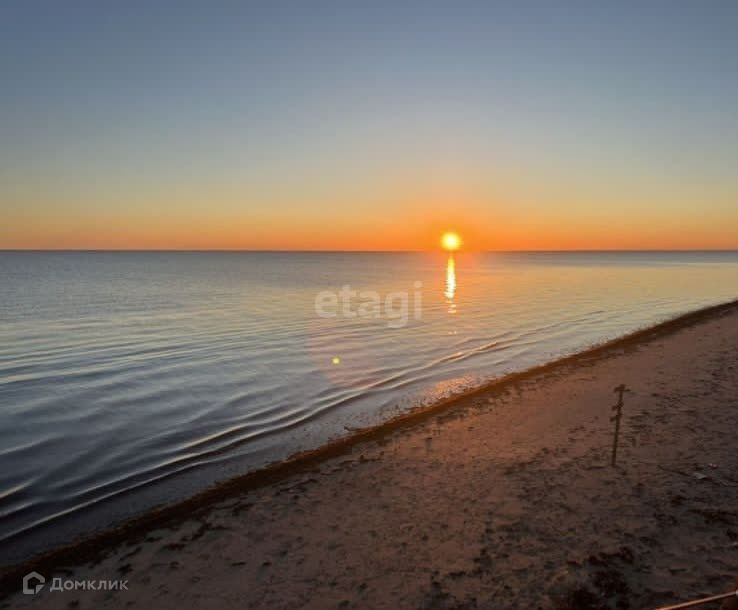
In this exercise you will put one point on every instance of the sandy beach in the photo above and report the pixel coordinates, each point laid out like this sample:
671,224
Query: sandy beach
504,498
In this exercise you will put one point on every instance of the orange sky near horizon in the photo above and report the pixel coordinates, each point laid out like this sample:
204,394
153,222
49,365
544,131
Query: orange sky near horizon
396,217
521,205
403,231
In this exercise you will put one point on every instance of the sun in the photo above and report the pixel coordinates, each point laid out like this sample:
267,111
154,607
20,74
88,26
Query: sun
450,241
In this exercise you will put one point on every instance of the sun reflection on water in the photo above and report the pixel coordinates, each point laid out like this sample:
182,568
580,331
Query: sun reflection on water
450,291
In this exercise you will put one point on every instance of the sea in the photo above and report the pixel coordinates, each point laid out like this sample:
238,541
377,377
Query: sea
130,380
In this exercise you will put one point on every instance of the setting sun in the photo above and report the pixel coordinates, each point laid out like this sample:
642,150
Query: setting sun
450,241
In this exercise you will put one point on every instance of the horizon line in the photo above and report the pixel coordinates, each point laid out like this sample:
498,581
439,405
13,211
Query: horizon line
339,251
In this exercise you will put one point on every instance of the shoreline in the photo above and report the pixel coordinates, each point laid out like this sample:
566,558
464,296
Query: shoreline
90,549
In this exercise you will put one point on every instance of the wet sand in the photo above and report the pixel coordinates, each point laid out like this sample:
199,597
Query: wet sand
503,498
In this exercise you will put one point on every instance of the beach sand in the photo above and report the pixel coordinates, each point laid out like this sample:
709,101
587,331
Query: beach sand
504,498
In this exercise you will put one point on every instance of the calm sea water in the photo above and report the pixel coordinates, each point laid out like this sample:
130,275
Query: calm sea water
130,379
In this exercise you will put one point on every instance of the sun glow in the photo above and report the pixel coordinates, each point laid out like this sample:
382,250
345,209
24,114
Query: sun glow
450,241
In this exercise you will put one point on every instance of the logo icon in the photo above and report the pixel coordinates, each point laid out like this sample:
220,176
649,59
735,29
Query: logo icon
33,582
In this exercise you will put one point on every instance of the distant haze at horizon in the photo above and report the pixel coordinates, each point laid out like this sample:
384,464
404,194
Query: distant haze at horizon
354,251
378,127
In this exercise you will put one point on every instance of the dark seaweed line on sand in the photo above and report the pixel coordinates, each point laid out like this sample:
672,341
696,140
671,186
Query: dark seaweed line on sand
89,549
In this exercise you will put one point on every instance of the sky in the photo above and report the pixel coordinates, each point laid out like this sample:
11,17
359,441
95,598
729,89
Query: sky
368,126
